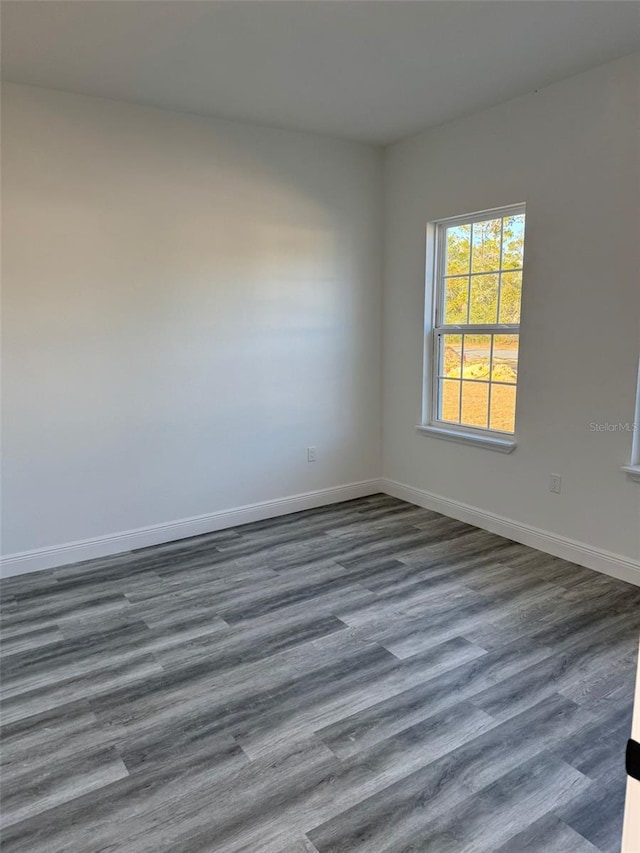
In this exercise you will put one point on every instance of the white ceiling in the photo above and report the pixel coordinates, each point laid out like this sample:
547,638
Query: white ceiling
373,71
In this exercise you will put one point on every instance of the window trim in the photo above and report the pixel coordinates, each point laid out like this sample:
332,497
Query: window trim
632,470
461,436
505,442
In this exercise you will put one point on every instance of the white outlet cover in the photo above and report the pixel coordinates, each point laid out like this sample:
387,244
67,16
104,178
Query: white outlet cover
555,483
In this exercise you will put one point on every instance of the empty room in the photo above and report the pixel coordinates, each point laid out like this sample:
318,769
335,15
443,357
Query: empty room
320,426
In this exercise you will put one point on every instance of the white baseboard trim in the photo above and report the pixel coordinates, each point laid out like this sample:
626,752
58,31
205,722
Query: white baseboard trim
156,534
606,562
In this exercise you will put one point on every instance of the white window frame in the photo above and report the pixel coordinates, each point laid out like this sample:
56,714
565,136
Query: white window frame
633,469
434,309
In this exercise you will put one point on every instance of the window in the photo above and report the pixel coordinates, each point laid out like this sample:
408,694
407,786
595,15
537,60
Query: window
473,333
633,469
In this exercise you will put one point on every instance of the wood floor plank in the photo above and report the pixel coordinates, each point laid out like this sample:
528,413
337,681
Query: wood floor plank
407,810
549,834
368,676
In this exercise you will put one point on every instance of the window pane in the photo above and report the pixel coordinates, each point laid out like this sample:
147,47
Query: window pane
449,400
513,242
458,250
450,355
475,404
477,357
480,285
483,306
485,254
456,300
505,358
503,407
510,295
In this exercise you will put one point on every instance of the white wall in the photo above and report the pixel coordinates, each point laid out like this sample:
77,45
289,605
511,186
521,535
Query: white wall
188,304
571,152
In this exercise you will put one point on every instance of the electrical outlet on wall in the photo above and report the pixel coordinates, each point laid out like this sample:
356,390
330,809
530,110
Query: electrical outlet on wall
312,454
555,483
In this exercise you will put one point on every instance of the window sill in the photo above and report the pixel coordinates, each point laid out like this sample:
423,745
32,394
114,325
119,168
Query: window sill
502,445
632,471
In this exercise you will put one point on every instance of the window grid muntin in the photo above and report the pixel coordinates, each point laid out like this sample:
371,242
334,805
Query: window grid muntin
439,328
441,377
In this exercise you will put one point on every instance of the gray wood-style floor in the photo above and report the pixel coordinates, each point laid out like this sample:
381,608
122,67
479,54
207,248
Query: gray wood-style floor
368,676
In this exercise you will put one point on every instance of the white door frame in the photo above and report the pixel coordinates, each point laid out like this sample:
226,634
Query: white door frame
631,829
